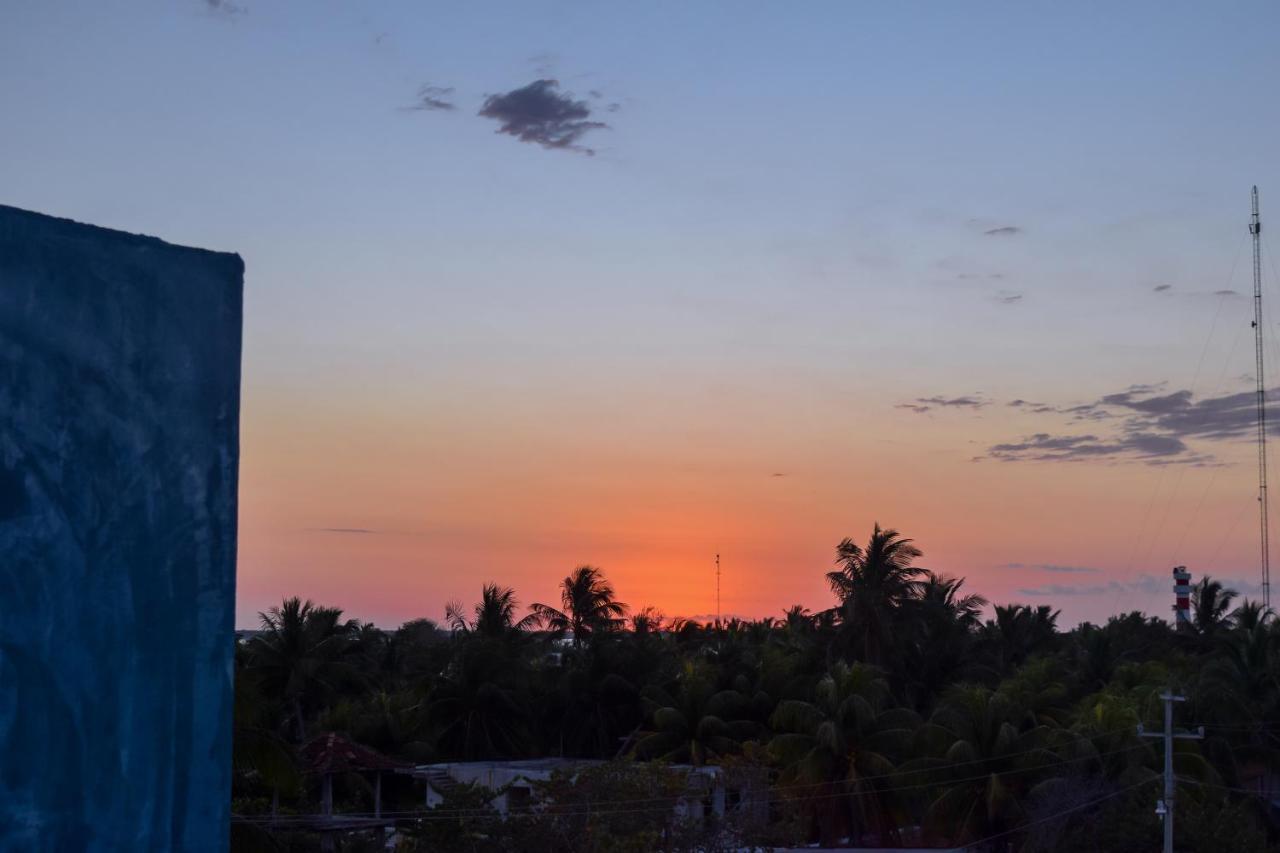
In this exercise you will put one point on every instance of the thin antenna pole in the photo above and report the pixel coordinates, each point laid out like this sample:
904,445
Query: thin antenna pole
717,590
1255,228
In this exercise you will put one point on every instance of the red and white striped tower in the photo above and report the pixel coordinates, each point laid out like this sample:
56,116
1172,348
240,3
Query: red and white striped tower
1182,596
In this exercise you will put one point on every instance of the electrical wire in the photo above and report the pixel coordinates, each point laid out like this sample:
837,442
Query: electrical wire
593,808
1030,824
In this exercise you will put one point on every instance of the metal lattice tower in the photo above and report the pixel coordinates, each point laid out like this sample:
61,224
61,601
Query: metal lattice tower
1255,228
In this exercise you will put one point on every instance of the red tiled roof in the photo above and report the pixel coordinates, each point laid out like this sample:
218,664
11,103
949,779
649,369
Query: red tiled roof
333,753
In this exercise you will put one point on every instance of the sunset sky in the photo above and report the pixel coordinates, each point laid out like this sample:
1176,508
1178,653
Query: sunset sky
745,278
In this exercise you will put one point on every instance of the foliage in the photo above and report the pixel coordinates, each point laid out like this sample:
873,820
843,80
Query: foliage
898,716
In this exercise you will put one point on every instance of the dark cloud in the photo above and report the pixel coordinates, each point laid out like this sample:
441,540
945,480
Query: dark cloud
1152,425
1161,288
433,98
1227,292
1044,447
1003,231
1008,297
1226,416
1051,567
777,474
538,113
341,530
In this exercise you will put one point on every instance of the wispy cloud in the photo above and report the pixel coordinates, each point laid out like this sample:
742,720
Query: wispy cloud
1148,584
433,98
1003,231
924,404
1008,297
361,530
538,113
1161,288
224,7
1044,447
1050,567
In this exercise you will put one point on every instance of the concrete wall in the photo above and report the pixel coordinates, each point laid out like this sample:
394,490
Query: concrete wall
119,450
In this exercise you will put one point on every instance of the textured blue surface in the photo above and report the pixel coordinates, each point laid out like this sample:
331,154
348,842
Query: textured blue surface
119,449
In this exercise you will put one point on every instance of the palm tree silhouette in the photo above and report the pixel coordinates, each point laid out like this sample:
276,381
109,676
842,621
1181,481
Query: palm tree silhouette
302,655
495,614
587,606
844,742
696,722
872,587
1211,606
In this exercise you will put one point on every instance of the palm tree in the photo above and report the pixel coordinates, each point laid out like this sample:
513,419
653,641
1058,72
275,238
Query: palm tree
797,619
302,654
1250,615
260,754
941,593
840,750
937,645
1019,632
1210,607
984,760
872,586
479,706
695,723
495,614
587,606
480,709
592,705
1239,696
648,620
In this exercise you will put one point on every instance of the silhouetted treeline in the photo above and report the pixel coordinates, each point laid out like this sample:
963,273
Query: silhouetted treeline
898,715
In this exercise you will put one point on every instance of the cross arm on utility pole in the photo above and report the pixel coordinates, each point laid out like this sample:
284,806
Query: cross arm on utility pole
1164,807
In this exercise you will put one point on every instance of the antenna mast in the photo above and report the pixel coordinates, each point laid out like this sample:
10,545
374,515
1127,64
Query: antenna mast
717,590
1255,228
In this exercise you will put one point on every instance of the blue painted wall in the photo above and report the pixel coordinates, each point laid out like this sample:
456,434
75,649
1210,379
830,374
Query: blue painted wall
119,450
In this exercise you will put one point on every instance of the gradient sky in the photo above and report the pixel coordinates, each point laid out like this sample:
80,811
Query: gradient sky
472,357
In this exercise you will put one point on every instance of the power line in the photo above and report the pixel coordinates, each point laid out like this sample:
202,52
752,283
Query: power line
1057,815
1204,784
593,808
1144,528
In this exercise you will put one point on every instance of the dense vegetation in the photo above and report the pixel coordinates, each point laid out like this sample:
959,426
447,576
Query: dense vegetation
897,716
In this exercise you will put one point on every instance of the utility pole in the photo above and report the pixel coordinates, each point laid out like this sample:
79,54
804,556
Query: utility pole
1164,807
1255,228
